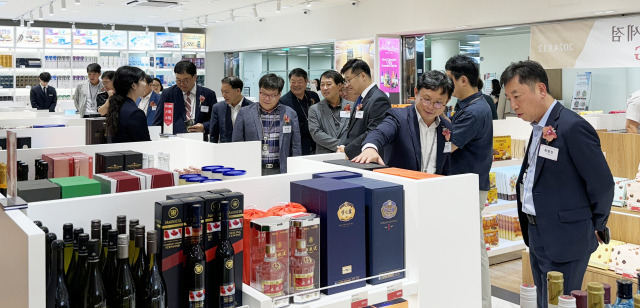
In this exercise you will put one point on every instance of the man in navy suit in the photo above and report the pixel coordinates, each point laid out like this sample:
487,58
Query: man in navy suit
224,114
149,102
300,100
191,103
565,186
415,137
43,96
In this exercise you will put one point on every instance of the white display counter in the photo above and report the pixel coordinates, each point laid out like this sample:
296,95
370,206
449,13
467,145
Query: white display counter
609,122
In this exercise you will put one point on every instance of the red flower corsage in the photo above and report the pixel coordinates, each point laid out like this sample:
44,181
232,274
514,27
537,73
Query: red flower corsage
286,119
347,108
359,107
447,134
153,104
549,133
201,99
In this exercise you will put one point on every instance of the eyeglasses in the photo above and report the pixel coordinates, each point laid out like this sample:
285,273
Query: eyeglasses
348,80
436,105
269,96
183,81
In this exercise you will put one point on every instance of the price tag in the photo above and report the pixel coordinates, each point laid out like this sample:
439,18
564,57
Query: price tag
360,300
394,291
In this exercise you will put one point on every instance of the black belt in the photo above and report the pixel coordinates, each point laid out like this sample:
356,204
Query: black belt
271,166
532,219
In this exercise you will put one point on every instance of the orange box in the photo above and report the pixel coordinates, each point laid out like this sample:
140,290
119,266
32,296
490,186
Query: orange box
416,175
490,222
491,238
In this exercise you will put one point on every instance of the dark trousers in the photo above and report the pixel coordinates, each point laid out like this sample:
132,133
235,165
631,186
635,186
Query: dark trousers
573,271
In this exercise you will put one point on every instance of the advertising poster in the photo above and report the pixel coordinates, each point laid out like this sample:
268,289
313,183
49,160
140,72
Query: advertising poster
113,39
85,39
581,92
486,78
57,38
29,37
389,61
141,40
600,43
193,41
6,36
167,40
361,49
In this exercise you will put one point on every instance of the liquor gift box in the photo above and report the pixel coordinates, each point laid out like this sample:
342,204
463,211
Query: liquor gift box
304,267
117,183
132,160
338,175
82,164
270,257
38,190
60,165
77,186
95,131
348,163
340,205
236,234
384,208
156,178
109,162
169,221
633,195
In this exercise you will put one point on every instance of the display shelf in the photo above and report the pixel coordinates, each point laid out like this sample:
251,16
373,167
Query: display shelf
500,206
506,246
506,163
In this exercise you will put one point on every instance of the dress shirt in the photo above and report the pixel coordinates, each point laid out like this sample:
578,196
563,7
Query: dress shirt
235,110
527,203
192,96
428,144
633,107
144,103
271,135
364,93
92,105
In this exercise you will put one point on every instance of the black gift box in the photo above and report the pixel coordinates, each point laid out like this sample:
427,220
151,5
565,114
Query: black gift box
132,160
109,162
95,131
348,163
38,190
169,222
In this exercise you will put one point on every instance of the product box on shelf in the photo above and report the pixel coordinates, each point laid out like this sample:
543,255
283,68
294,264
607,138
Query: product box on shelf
348,163
410,174
633,195
236,234
338,175
77,186
509,225
117,182
602,256
491,238
38,190
304,264
156,178
82,164
132,160
169,221
270,256
501,148
60,165
341,208
384,208
620,192
109,162
24,142
95,131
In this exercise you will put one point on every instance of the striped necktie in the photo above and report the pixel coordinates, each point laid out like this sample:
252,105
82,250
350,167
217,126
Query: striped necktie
188,105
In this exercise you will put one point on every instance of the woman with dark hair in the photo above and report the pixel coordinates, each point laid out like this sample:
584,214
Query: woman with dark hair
156,85
107,90
495,90
125,121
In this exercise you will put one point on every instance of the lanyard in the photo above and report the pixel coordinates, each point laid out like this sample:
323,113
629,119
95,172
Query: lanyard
265,138
433,143
301,106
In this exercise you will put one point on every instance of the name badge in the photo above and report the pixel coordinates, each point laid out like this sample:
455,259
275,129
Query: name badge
359,114
286,129
204,108
154,107
447,147
50,94
548,152
345,114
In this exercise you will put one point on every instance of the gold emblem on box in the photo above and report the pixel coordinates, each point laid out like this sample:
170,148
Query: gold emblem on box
173,212
235,203
346,211
346,269
389,209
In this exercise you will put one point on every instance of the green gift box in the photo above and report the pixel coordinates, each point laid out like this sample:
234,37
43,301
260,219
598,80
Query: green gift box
77,186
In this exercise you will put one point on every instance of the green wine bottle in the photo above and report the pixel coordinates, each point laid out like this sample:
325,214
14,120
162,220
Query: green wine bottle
93,294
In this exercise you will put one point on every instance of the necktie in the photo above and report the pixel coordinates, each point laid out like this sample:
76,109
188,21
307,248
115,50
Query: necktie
44,90
188,105
358,102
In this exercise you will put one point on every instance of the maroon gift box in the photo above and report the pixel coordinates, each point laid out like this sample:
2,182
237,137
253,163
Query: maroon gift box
60,165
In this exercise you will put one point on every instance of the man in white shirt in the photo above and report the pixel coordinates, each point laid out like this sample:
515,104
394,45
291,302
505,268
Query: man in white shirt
149,102
223,115
633,112
86,92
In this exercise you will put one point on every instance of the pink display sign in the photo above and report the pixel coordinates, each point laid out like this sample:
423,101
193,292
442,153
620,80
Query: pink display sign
389,60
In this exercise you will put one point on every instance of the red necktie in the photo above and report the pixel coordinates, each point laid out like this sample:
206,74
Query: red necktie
188,105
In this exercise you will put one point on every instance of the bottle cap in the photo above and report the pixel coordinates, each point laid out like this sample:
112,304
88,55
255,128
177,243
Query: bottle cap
50,237
44,229
57,245
566,299
554,276
595,287
121,224
581,298
139,230
235,173
211,168
607,293
95,223
636,299
105,231
122,240
625,288
94,249
76,233
121,219
83,240
132,224
67,233
112,236
123,246
222,170
152,241
196,179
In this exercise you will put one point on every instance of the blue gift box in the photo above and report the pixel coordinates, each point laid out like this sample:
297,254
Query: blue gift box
384,203
340,206
338,175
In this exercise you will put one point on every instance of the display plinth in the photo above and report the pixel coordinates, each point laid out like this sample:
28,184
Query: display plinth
12,203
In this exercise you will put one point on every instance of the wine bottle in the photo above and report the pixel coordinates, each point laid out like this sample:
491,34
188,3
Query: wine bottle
110,266
57,294
625,289
595,295
76,286
121,224
48,239
140,265
195,263
302,265
132,237
636,301
96,226
44,229
155,290
607,295
225,287
93,289
73,265
67,237
105,244
124,293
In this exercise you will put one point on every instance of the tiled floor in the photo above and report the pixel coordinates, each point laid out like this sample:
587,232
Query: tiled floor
498,303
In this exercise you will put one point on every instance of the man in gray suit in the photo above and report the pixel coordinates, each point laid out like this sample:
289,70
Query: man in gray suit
274,124
85,96
328,119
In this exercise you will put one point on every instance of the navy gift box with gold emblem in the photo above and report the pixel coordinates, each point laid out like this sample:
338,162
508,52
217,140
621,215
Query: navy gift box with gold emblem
338,175
384,202
340,206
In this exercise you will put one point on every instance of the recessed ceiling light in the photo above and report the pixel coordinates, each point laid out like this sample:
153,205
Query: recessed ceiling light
504,28
2,3
100,3
153,16
474,42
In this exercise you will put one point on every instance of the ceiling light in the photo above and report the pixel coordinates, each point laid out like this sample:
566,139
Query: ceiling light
206,20
77,2
22,21
255,10
233,18
51,9
308,3
31,17
63,4
462,27
100,3
40,14
2,3
474,42
278,6
166,29
504,28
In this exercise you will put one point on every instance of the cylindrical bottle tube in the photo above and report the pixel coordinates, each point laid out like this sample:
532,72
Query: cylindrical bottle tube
581,298
566,301
595,295
555,285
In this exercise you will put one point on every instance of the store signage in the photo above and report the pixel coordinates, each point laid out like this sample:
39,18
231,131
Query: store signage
581,95
394,291
29,37
357,49
601,43
113,40
167,128
141,41
57,38
193,41
6,36
360,300
389,63
85,39
167,40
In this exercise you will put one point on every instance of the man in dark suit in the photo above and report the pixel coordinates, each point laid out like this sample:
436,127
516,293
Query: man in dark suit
224,114
149,102
415,137
565,186
191,103
274,124
369,108
300,100
43,96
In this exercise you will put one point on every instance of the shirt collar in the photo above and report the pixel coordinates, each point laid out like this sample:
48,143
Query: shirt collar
262,111
238,105
148,95
465,102
434,124
545,117
193,90
366,91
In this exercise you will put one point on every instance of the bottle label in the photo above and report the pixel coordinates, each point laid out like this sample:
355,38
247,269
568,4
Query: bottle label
302,282
273,288
227,295
196,295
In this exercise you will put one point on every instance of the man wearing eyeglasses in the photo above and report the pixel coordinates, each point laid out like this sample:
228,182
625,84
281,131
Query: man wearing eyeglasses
417,136
369,108
191,103
272,123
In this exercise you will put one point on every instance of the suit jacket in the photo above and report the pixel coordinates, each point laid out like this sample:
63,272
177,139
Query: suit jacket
221,125
248,127
572,195
132,124
399,134
42,102
322,127
375,104
151,113
81,94
308,145
176,96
